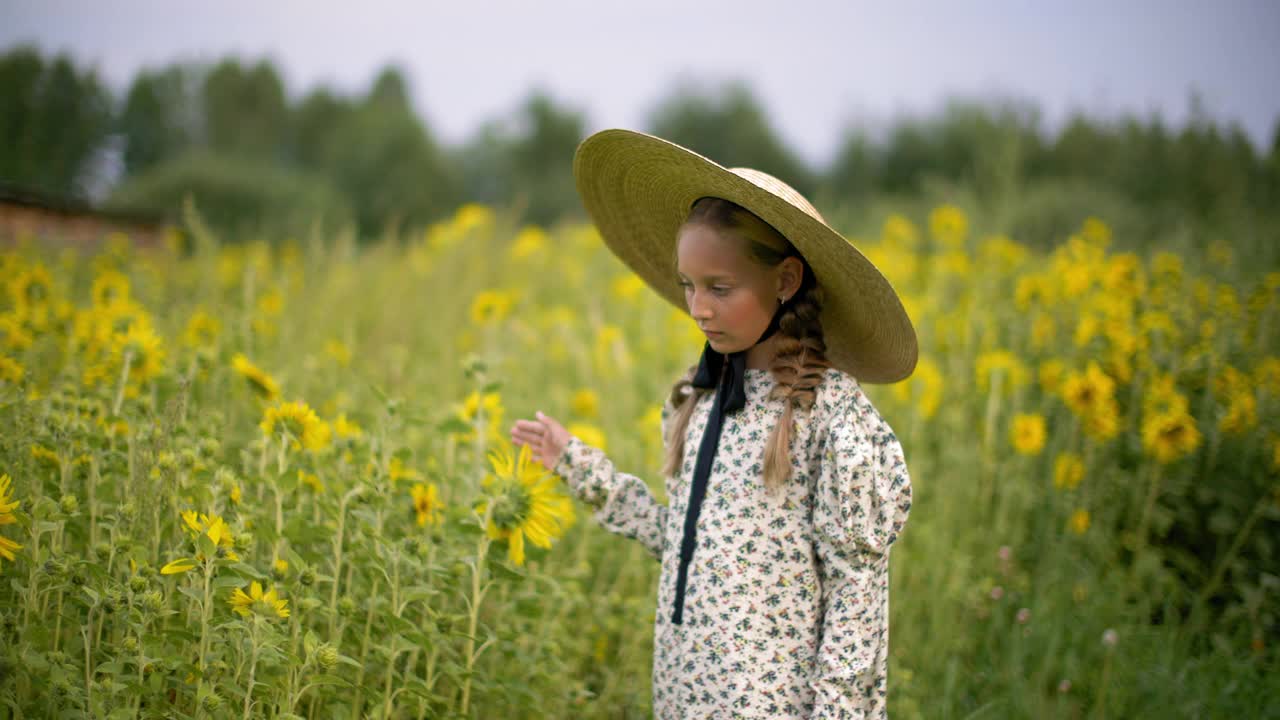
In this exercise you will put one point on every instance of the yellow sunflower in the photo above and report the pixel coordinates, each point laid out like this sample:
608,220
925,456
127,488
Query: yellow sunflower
145,350
261,382
202,330
7,506
1068,471
256,600
198,524
1170,436
303,427
526,502
1027,433
426,503
109,287
1086,392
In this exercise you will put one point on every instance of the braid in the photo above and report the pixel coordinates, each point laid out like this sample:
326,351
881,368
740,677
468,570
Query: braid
798,367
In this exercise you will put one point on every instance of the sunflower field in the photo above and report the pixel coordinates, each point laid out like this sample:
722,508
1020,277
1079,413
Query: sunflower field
242,478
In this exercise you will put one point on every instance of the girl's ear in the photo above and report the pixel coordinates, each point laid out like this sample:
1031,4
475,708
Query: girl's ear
790,275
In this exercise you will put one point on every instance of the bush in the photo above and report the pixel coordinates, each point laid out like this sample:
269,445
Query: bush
236,196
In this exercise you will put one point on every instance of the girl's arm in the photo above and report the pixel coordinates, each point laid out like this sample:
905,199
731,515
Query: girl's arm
862,502
623,503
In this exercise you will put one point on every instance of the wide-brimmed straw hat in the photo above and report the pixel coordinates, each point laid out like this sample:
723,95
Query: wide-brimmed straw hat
638,189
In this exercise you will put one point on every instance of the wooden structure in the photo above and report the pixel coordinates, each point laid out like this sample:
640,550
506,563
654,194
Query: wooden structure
26,213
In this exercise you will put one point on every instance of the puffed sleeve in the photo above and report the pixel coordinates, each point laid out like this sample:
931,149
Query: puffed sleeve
863,497
623,503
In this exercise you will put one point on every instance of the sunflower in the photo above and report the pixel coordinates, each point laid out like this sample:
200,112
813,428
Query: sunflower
1027,434
198,524
202,330
255,600
491,306
586,403
31,288
490,406
261,382
529,241
346,428
145,350
7,506
426,503
1079,522
301,424
11,370
949,226
1088,391
525,502
1068,471
397,470
1170,436
589,434
109,287
12,333
1015,372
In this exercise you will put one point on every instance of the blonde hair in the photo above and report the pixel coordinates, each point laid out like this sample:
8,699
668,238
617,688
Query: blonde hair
800,363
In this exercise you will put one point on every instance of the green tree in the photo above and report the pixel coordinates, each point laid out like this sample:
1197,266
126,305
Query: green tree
316,123
54,118
384,159
159,118
245,111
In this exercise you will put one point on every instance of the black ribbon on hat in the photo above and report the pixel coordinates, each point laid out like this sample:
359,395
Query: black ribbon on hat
727,375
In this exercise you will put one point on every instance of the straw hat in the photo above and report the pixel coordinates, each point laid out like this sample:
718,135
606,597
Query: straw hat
638,189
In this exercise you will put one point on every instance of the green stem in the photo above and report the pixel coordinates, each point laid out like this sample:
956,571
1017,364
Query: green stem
124,377
88,661
395,609
204,630
1216,579
253,666
364,642
1101,712
337,560
477,596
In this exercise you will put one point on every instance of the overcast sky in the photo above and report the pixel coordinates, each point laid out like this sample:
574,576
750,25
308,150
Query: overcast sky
817,66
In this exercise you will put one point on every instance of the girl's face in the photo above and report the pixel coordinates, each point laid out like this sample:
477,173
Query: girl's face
731,297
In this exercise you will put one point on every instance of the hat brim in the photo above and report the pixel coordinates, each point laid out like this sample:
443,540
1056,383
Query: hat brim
638,188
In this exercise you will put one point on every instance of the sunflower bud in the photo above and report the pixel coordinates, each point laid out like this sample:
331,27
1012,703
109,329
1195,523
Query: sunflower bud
211,702
137,583
326,656
166,461
307,577
69,504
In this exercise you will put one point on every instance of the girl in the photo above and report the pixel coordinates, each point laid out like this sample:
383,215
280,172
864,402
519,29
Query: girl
786,486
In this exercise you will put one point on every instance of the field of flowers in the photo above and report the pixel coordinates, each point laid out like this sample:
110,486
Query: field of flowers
273,480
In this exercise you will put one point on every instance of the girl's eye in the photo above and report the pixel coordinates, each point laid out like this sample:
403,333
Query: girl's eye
719,290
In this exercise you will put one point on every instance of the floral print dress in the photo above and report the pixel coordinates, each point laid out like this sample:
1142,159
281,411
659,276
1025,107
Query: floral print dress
786,609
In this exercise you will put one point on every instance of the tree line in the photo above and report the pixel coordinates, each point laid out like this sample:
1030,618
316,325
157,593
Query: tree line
229,133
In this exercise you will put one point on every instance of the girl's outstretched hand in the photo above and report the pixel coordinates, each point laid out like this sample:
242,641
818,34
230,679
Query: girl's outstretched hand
544,436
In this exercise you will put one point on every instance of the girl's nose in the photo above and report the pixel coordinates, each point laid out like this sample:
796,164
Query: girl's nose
698,309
